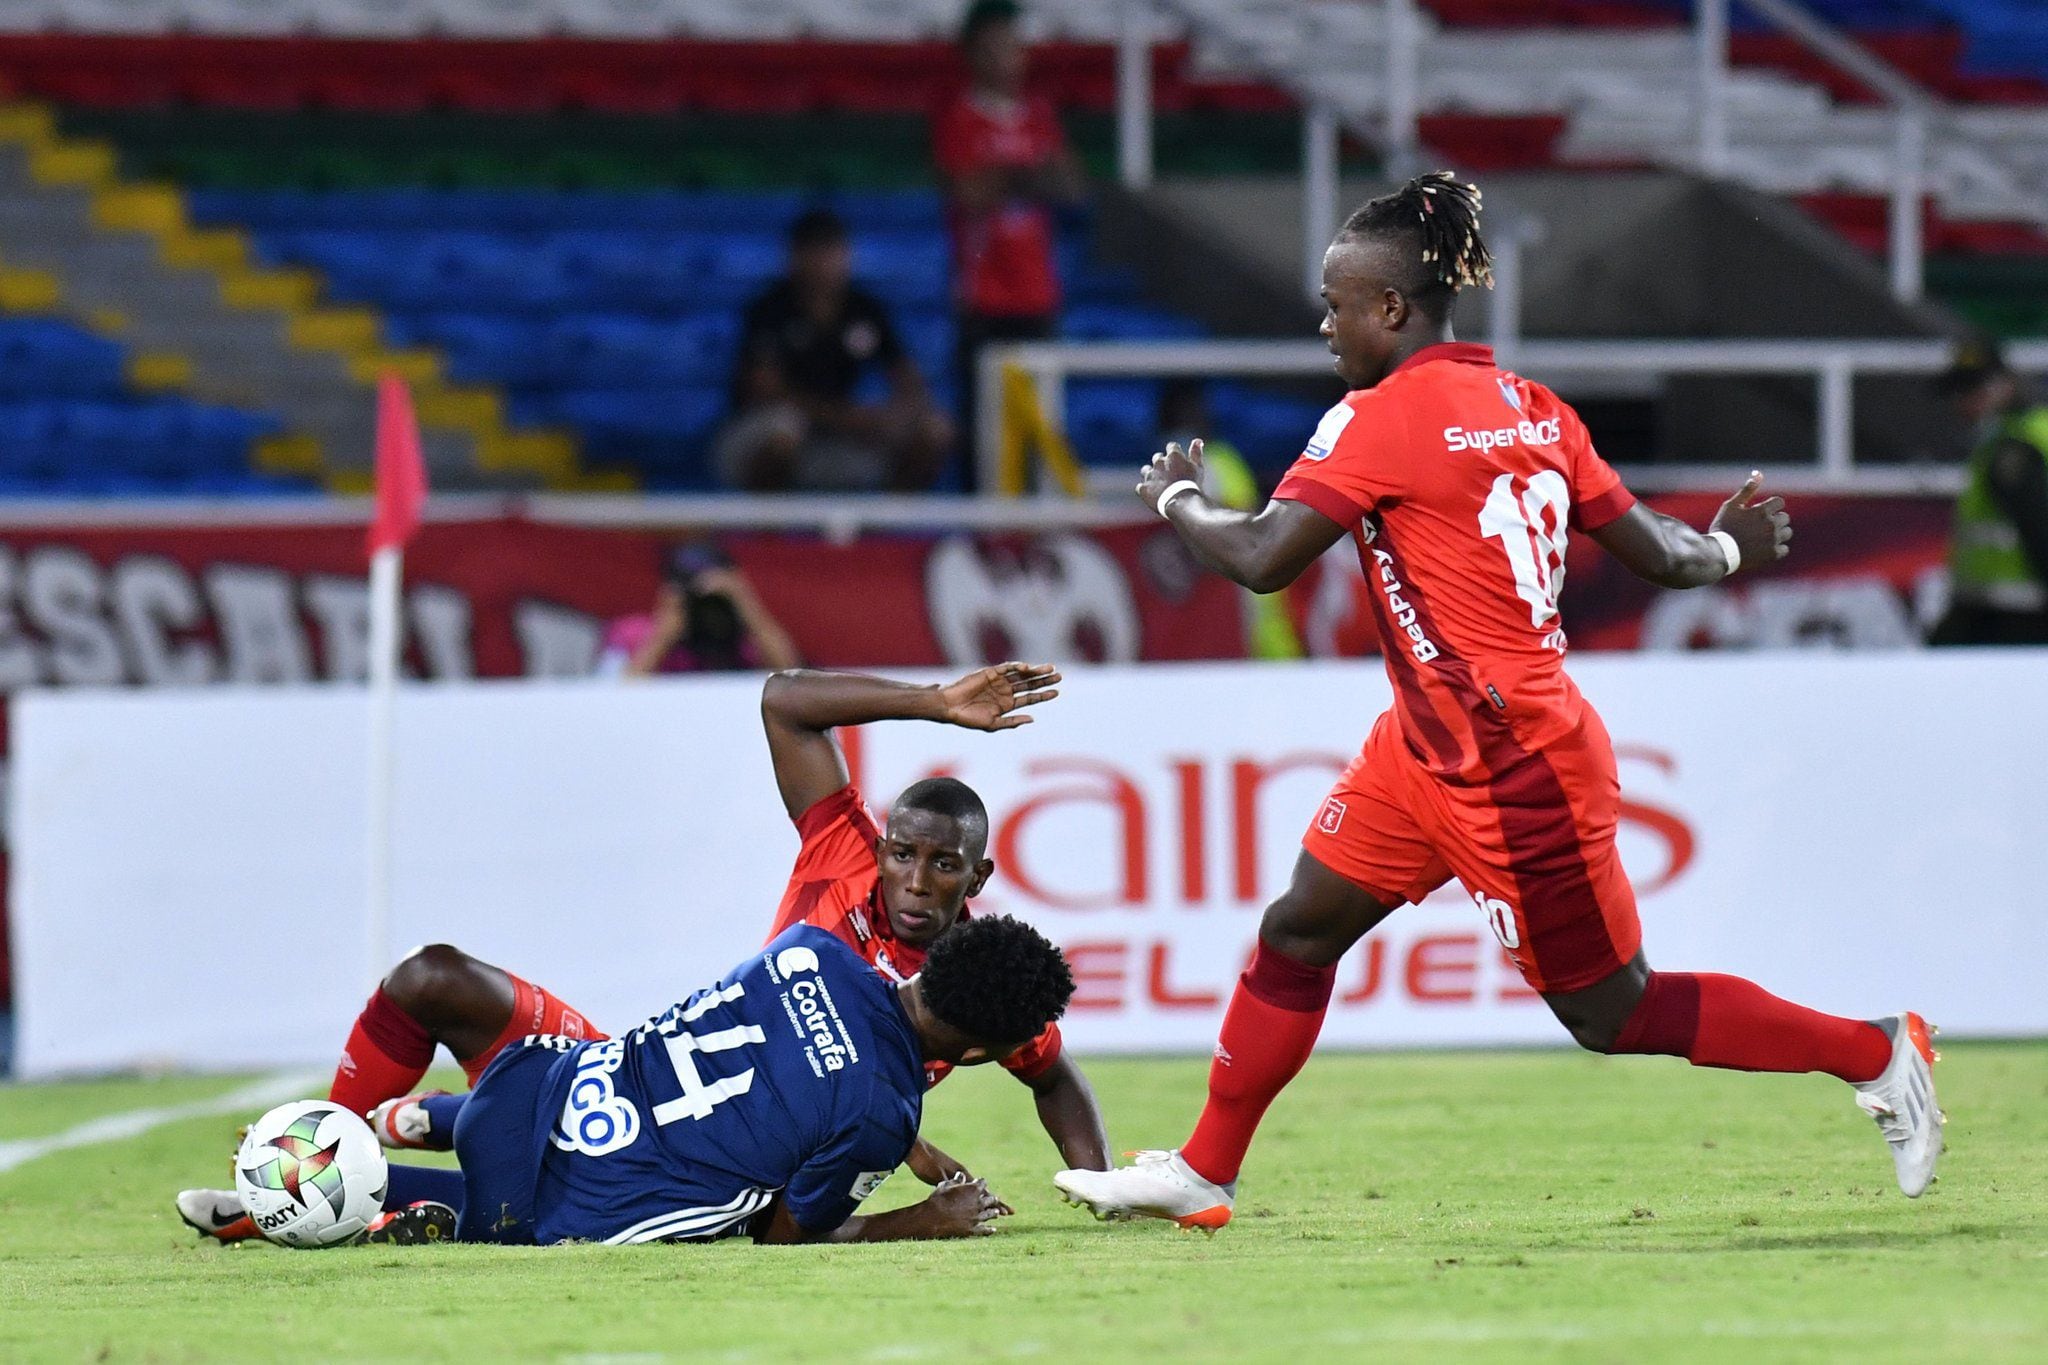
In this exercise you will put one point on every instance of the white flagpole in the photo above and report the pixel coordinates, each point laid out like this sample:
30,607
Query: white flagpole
386,571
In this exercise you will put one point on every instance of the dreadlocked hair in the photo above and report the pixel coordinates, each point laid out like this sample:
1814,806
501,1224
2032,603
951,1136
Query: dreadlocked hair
996,979
1437,217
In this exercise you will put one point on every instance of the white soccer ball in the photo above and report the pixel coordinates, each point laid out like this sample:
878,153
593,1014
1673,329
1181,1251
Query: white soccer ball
311,1174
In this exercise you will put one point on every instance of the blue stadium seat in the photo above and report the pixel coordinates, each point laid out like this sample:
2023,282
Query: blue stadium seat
617,313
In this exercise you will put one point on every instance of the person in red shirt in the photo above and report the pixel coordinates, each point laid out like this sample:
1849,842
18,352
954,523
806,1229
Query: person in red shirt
1459,483
1003,163
888,893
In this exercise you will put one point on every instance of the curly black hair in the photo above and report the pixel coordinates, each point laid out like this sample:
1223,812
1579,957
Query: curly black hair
996,979
1435,220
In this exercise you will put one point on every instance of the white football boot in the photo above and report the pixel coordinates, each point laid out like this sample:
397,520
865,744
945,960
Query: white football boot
1901,1099
217,1214
1155,1185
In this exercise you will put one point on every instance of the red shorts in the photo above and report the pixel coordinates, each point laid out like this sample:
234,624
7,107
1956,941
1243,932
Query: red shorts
533,1011
1533,846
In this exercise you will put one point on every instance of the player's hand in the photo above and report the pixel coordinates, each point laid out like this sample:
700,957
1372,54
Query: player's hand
990,698
1168,468
1762,530
962,1207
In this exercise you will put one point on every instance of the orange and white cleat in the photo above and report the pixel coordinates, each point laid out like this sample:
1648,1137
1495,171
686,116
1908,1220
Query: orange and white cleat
1901,1099
403,1124
1155,1185
217,1214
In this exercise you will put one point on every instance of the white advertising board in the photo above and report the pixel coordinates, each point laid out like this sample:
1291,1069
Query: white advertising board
1857,834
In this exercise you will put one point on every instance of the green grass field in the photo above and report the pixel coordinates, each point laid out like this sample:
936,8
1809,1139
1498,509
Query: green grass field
1466,1206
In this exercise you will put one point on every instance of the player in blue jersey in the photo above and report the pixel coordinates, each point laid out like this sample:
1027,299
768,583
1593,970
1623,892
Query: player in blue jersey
772,1102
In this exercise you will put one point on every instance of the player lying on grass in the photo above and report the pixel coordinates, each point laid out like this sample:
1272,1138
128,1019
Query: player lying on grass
1458,483
771,1102
889,895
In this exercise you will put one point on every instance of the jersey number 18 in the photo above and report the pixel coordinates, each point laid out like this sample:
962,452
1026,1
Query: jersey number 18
1531,529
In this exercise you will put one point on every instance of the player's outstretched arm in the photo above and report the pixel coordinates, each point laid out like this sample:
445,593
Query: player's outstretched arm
801,707
959,1207
1072,1119
1263,550
1669,553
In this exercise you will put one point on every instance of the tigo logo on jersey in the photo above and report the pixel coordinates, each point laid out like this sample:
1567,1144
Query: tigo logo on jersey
1544,433
1331,817
1327,431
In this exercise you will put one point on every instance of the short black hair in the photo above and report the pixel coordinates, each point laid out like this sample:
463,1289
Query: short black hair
997,980
983,14
1432,223
818,226
952,798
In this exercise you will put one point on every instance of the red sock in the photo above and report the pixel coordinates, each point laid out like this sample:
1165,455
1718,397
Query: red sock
1725,1021
1271,1027
387,1053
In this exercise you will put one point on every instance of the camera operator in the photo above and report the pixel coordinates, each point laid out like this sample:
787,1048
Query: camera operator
706,619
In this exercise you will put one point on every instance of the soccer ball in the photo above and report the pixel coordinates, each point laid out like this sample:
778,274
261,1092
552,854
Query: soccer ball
311,1174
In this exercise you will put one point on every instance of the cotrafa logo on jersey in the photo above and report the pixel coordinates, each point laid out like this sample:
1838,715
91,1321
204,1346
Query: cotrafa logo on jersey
1525,432
811,1009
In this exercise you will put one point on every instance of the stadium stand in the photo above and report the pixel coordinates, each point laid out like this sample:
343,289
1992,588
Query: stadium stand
73,424
553,233
594,283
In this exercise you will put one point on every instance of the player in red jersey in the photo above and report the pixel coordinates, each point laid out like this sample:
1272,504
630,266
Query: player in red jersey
888,894
1459,483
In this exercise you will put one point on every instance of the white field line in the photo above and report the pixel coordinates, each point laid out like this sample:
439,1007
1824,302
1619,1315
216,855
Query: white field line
257,1095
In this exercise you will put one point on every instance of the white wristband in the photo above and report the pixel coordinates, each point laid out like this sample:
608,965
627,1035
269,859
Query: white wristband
1174,490
1728,549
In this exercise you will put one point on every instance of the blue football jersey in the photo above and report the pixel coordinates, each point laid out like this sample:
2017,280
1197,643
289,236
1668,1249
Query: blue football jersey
797,1072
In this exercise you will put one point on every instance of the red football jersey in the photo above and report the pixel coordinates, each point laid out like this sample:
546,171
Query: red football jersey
835,885
1003,256
1460,483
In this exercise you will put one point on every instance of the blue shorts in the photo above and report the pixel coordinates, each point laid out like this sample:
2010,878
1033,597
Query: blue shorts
499,1139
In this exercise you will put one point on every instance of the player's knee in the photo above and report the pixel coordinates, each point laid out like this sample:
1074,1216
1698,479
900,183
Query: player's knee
1291,928
426,977
1595,1035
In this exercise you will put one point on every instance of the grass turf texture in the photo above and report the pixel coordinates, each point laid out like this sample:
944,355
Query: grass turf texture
1525,1207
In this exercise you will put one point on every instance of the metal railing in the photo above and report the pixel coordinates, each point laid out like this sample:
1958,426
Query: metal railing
1833,365
1380,99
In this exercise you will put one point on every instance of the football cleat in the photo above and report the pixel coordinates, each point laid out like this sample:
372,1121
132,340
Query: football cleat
403,1124
1901,1099
1156,1185
217,1214
414,1225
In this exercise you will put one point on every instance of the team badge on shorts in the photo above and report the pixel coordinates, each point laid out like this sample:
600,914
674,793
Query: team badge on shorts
1331,816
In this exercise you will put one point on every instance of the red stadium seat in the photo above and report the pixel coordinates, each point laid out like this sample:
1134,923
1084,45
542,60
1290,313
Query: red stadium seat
1485,142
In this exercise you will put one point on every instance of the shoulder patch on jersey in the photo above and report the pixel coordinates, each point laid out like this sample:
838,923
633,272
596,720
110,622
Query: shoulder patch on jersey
866,1183
1327,431
790,961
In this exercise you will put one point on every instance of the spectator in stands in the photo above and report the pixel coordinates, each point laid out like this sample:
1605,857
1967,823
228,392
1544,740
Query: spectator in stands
1004,164
707,618
1998,559
809,341
1228,478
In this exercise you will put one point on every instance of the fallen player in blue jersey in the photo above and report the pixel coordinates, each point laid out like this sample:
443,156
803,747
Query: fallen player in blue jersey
772,1102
